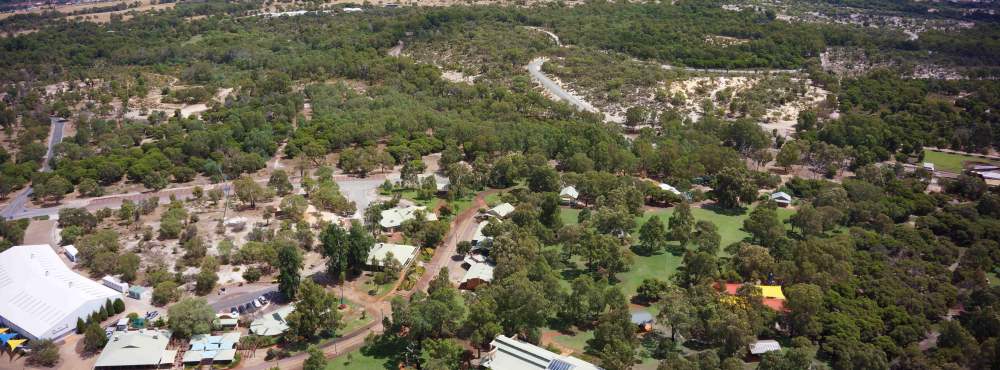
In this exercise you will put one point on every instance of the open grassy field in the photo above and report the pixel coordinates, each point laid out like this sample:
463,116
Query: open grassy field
950,162
663,265
993,278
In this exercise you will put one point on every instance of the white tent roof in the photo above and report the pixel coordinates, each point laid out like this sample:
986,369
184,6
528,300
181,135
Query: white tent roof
668,187
501,210
402,253
569,192
40,295
783,196
764,346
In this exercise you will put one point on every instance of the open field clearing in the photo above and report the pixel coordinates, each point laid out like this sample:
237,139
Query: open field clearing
952,162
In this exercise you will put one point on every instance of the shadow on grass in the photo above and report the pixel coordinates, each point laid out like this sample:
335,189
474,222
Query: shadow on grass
717,209
390,348
641,251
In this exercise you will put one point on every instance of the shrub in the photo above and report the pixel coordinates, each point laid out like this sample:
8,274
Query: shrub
44,353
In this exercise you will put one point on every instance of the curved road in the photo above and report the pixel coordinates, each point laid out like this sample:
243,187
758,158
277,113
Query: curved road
535,70
15,209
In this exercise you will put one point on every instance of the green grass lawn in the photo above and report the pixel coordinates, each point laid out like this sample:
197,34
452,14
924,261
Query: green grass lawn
664,265
577,342
569,215
950,162
492,199
993,278
357,361
354,321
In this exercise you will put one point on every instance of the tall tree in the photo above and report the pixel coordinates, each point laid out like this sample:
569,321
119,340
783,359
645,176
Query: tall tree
764,226
706,237
190,316
652,236
733,188
614,337
681,223
289,265
315,313
316,359
249,191
346,251
279,182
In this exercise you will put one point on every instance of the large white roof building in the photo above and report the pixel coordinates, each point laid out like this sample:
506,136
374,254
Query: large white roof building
42,298
512,354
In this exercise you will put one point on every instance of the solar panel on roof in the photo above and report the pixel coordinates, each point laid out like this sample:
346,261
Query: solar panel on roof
558,364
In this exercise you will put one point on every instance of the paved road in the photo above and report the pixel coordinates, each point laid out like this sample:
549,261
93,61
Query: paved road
535,70
237,296
16,206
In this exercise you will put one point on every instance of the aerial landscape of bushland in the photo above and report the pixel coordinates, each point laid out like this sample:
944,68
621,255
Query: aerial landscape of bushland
692,184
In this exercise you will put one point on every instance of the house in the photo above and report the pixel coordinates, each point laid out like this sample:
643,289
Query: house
480,272
568,195
441,183
71,252
501,210
400,252
114,283
643,320
761,347
41,298
212,349
781,198
511,354
771,295
479,240
273,323
136,350
394,217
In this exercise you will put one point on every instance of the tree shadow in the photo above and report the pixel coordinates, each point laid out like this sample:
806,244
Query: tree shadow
638,250
718,209
391,348
571,273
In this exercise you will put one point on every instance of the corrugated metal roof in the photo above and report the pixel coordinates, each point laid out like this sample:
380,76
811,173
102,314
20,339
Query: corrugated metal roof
39,291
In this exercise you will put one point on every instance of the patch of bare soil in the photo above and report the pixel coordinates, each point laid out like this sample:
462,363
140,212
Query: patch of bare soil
98,17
